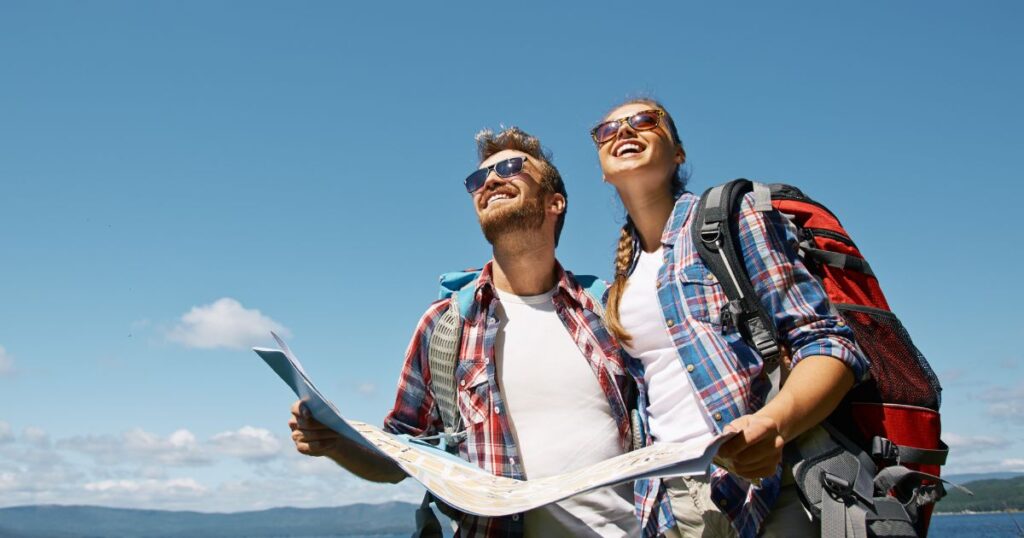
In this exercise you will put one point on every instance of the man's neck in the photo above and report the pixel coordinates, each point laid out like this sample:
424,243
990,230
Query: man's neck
524,269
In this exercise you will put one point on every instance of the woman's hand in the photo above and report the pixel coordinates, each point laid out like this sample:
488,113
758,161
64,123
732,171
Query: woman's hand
756,451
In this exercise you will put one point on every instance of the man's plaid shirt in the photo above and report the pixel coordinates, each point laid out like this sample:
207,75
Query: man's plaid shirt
490,443
728,375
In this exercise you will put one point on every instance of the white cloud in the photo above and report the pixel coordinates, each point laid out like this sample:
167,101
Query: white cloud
248,443
35,436
141,469
6,363
139,446
964,444
225,323
366,389
1005,404
6,435
172,486
1013,464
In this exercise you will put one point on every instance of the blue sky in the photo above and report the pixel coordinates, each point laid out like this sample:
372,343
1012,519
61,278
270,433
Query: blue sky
177,178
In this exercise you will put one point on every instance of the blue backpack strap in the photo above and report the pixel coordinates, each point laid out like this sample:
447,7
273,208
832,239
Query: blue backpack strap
462,284
593,285
596,288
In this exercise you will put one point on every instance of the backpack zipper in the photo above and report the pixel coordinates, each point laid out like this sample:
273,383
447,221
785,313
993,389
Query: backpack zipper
810,233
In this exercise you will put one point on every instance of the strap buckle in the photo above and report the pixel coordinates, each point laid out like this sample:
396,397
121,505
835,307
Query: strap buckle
836,486
711,233
884,449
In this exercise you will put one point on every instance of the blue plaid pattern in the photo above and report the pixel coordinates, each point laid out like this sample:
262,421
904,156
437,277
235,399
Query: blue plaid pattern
728,375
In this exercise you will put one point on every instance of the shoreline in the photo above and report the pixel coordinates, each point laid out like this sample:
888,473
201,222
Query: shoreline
978,513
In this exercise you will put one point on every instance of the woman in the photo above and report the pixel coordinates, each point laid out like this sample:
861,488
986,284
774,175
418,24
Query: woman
697,376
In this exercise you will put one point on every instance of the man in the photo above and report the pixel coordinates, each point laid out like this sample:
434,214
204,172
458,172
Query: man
540,381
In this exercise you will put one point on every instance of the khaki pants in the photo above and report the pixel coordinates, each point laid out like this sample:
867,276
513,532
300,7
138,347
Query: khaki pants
697,516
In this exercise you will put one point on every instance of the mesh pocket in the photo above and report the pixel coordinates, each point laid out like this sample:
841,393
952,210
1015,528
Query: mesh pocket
900,374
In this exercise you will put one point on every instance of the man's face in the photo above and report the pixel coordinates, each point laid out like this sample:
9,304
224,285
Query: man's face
512,204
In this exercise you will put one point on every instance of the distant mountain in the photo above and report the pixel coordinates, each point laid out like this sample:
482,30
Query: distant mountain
53,521
989,496
971,477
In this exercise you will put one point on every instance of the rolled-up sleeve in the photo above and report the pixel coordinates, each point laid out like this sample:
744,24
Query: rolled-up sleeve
808,323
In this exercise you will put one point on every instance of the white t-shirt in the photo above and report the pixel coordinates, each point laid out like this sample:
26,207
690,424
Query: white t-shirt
561,417
674,411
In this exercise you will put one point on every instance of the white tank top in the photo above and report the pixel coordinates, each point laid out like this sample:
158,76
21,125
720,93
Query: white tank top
674,411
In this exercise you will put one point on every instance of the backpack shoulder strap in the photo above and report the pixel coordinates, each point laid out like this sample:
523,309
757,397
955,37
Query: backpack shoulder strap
443,352
595,287
716,237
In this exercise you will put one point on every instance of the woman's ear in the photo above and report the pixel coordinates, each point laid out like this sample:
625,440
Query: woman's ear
680,154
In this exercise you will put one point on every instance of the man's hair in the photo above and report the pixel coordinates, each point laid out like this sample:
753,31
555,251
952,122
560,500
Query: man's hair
514,138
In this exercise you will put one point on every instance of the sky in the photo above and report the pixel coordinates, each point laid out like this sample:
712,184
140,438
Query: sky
179,178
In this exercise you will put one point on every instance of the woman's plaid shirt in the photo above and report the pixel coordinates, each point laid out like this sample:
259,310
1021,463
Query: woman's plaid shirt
490,443
728,375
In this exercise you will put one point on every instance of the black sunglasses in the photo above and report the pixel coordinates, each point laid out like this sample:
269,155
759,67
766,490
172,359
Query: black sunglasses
506,168
645,120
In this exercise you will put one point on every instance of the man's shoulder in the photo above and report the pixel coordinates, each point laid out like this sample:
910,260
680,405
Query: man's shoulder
433,312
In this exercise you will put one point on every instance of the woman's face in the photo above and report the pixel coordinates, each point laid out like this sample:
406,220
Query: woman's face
639,159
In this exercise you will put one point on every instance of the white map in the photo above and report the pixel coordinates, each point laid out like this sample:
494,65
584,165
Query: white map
471,489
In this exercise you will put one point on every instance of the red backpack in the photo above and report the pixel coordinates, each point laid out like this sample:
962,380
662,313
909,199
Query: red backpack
872,469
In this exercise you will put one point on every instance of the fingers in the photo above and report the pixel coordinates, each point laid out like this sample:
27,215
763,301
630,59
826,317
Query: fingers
756,451
302,419
761,462
314,448
310,436
315,442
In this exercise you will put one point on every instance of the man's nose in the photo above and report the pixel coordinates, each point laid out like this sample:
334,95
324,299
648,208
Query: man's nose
493,181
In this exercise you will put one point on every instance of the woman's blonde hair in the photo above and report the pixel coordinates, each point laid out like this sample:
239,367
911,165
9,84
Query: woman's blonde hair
625,251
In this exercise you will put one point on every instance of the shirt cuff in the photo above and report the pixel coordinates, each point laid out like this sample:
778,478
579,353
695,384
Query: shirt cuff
840,348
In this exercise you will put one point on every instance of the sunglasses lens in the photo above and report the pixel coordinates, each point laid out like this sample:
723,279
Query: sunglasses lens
606,131
509,167
644,121
476,180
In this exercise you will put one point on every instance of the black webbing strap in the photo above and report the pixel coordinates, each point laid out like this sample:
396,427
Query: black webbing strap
885,449
716,236
841,261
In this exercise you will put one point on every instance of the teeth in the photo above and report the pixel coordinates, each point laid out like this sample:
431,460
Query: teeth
628,146
498,197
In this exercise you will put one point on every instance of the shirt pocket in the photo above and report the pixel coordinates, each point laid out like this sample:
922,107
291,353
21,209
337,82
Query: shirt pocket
702,295
474,391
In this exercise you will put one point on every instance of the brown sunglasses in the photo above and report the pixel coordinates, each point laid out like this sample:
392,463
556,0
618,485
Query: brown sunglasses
645,120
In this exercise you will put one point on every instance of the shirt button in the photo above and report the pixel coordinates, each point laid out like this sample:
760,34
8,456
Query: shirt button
512,461
723,503
841,323
657,284
669,322
689,368
497,410
717,417
463,382
515,517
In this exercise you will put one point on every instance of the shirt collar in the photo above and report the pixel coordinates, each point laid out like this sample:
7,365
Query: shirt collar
676,222
565,286
681,214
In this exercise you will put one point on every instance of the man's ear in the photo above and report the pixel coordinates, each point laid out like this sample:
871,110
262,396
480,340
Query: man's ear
556,204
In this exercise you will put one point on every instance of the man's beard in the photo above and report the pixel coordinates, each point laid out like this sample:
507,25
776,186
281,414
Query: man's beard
527,216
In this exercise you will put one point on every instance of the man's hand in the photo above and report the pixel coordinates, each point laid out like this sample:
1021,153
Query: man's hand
756,451
310,436
314,439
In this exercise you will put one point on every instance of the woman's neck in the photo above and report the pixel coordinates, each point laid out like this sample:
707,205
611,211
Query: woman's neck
650,212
